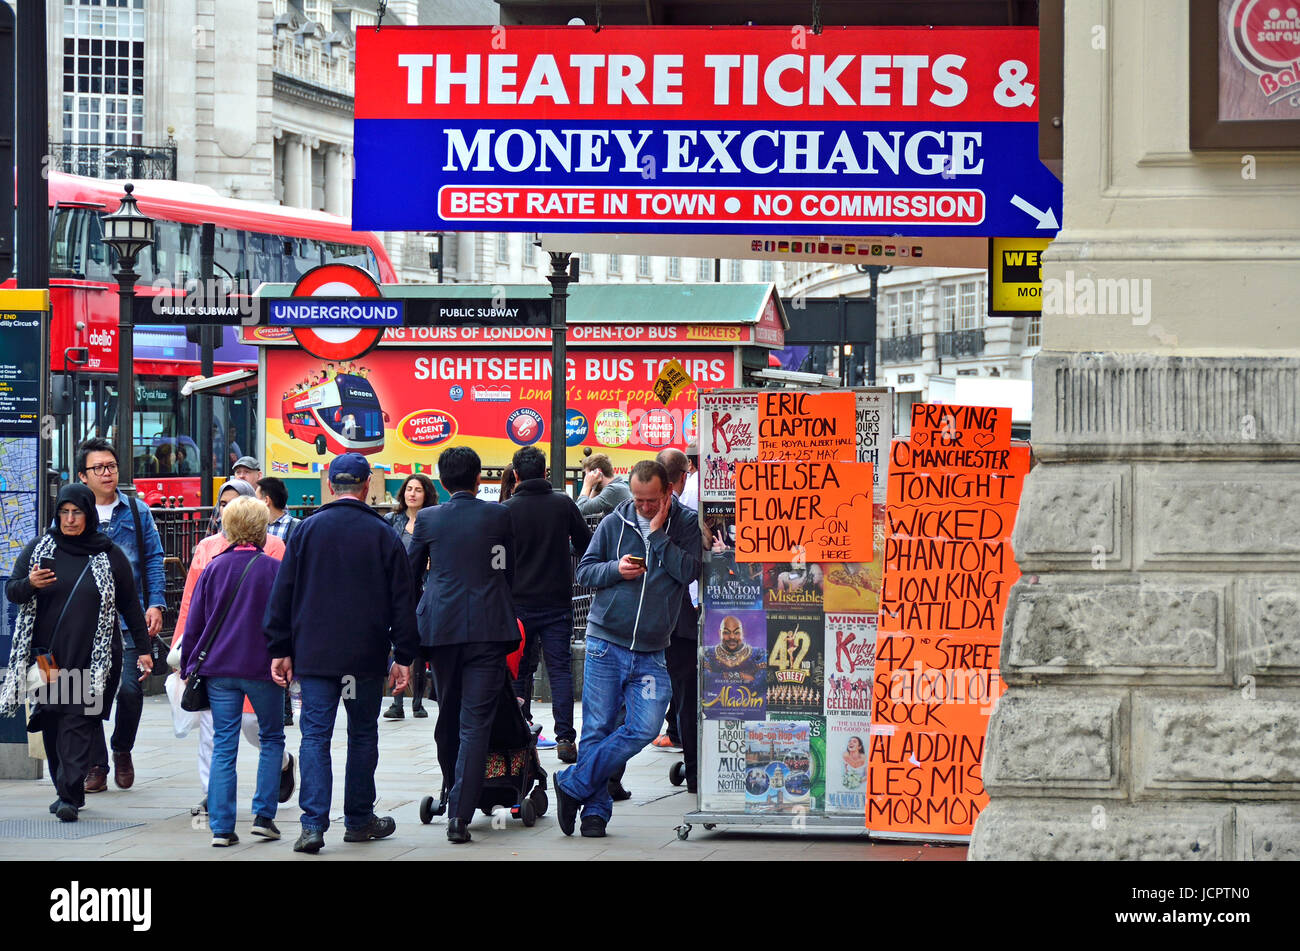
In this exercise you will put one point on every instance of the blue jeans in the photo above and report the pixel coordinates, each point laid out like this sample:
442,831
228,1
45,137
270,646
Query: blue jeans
551,629
613,678
226,694
320,704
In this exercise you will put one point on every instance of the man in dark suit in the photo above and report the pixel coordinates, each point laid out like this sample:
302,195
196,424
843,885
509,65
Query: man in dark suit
467,624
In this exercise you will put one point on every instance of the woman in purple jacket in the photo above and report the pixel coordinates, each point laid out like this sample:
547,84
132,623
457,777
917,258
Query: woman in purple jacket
238,665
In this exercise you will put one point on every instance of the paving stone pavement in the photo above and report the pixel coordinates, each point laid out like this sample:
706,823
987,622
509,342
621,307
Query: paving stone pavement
166,786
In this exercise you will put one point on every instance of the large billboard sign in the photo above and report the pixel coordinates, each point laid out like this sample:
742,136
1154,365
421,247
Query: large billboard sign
403,406
926,132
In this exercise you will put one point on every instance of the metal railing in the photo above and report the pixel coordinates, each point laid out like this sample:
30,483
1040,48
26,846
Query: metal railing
181,529
97,160
902,349
960,343
327,72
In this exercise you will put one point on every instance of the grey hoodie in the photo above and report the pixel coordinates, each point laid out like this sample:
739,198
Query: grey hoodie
640,615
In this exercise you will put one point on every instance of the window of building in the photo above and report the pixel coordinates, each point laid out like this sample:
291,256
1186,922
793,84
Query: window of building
616,264
891,315
585,263
907,301
735,271
675,269
971,305
704,269
643,265
767,272
948,309
103,73
503,249
1035,337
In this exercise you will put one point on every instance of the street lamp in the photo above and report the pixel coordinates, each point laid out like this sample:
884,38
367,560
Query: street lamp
127,232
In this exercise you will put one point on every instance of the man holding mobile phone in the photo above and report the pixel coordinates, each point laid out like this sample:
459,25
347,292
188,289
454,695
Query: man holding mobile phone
641,560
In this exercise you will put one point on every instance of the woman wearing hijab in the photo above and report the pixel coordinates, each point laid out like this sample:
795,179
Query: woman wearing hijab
69,618
204,552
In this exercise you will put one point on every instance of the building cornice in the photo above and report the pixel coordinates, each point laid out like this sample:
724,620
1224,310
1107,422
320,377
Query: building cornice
316,95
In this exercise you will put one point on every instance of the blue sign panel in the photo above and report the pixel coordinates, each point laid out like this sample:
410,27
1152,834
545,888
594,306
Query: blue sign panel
314,312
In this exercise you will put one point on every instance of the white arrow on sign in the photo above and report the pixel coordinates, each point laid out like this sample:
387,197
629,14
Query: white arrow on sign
1045,219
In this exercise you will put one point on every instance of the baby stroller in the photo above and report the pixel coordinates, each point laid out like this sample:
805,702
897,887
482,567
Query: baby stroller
514,776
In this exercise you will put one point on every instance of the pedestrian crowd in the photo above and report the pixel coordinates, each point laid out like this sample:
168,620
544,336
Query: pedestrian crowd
461,600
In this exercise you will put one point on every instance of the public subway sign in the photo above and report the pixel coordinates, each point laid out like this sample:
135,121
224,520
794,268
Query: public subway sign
753,130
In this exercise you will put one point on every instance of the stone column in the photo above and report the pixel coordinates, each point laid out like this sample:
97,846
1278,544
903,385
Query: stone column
1152,646
293,171
336,183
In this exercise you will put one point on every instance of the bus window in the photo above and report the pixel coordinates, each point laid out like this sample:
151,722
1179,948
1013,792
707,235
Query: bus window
230,254
266,251
65,253
99,258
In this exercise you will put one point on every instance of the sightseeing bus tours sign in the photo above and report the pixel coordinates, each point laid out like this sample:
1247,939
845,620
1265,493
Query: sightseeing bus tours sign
713,130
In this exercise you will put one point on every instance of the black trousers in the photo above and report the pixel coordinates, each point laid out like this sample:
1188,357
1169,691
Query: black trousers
683,663
69,743
469,679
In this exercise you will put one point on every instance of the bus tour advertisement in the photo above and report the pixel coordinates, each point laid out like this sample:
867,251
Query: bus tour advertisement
401,407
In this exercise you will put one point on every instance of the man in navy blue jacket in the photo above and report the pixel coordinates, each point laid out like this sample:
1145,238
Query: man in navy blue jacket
467,624
341,601
640,561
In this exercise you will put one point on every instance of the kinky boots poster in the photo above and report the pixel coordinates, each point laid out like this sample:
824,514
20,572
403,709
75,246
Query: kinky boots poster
953,495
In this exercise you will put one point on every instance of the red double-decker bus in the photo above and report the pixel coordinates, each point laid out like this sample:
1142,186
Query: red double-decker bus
340,414
254,243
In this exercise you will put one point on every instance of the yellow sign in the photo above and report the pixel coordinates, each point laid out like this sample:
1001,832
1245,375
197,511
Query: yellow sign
1016,276
673,378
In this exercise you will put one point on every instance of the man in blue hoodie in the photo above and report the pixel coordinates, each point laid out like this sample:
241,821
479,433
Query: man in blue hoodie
641,559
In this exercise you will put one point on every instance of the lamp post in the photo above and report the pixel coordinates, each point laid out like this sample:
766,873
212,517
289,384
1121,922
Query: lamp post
561,277
127,232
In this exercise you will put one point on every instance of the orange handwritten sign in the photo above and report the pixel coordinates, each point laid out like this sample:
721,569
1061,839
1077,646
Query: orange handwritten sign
814,511
795,426
948,570
961,427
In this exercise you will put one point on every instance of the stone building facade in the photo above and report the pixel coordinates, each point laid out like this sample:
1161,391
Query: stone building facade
1152,646
930,323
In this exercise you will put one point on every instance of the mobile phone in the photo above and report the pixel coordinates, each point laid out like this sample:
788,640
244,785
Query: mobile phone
636,559
47,563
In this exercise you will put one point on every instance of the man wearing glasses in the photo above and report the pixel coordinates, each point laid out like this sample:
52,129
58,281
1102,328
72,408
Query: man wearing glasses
97,468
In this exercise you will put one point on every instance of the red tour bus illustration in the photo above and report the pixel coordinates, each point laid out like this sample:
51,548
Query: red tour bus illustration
337,416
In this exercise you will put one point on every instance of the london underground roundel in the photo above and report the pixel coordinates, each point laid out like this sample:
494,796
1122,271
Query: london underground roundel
337,343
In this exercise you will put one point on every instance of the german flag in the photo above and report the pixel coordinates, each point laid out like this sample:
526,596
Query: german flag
301,467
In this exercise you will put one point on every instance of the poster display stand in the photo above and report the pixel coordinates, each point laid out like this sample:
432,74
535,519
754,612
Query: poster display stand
853,593
792,490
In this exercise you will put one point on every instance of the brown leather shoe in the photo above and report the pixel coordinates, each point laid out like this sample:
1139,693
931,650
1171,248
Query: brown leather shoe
123,770
96,779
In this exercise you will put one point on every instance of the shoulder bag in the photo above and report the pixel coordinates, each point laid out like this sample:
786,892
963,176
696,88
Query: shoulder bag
195,697
158,648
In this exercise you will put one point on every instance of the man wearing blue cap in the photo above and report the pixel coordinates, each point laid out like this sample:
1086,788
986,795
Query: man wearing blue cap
342,600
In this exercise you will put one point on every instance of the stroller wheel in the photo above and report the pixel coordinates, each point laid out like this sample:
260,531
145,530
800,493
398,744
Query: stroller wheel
527,814
677,773
426,810
540,803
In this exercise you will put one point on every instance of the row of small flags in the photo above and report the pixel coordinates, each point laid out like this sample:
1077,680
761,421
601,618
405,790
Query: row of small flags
396,468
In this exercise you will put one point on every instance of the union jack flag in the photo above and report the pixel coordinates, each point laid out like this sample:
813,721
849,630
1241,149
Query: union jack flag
280,467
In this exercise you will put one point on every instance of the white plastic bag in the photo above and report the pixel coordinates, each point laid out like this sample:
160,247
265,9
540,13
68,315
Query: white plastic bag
183,721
